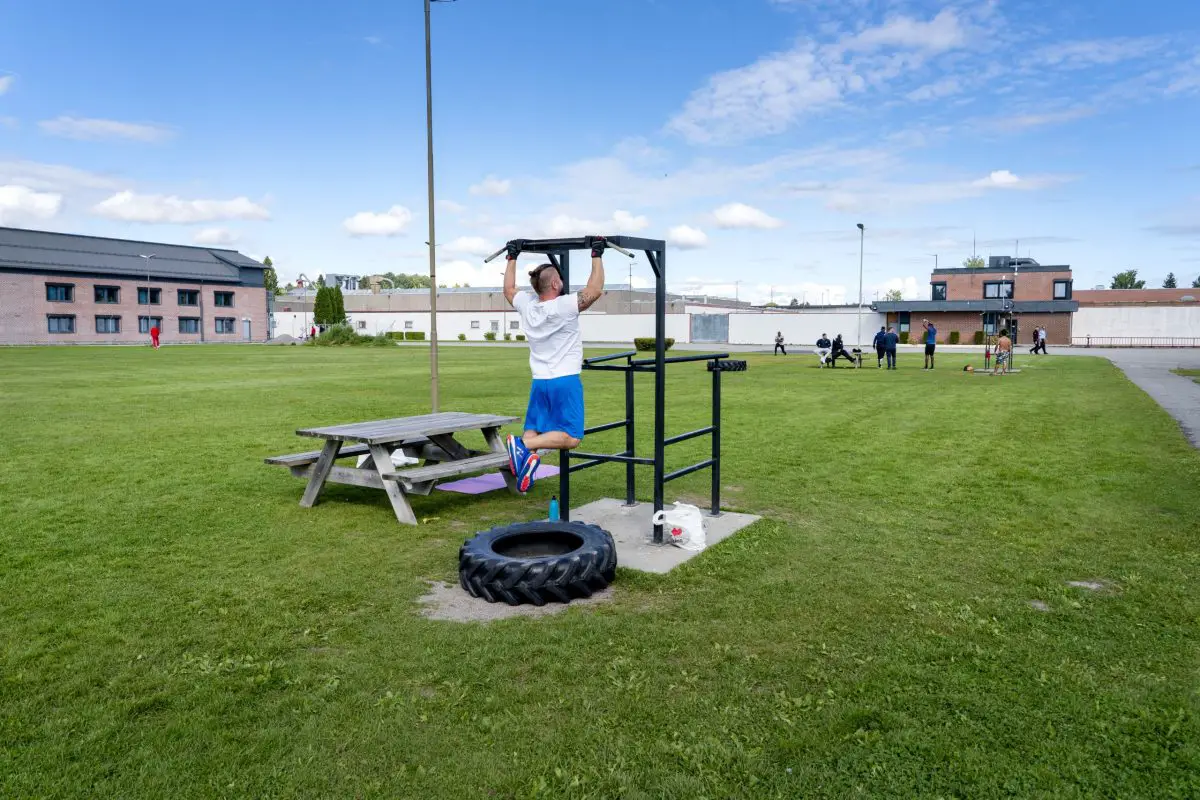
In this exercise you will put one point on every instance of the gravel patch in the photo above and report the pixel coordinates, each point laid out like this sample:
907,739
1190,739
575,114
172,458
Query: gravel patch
452,604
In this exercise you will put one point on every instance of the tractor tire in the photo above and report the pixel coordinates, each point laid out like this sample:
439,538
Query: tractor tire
537,562
727,365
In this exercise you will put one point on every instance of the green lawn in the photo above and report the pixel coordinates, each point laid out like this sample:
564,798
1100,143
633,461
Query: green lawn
1194,374
176,626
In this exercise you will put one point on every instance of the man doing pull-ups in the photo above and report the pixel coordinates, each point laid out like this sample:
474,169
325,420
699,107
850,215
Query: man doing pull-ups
550,319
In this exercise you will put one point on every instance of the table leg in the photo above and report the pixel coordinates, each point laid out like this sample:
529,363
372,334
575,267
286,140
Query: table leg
320,472
492,436
383,463
450,445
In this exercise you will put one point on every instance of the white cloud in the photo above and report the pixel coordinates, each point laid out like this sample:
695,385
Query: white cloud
156,208
1001,178
909,287
12,123
740,215
685,237
1019,122
105,129
389,223
6,82
628,223
943,32
472,246
621,222
1080,54
19,203
451,207
459,271
55,177
932,91
491,186
215,236
373,40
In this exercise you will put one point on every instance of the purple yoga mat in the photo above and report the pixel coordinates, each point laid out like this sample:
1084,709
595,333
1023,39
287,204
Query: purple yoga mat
490,482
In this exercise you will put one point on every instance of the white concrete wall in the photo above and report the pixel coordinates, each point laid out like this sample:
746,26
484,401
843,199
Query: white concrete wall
1139,321
803,327
595,327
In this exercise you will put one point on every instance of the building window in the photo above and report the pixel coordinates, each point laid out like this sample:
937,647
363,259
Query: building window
989,323
108,324
997,290
189,324
153,295
225,324
474,324
514,325
408,325
495,324
223,299
146,323
903,319
108,294
939,291
1062,290
362,324
60,323
189,297
60,293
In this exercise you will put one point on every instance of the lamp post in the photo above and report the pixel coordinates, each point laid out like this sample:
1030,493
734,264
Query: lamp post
862,232
303,279
149,320
433,338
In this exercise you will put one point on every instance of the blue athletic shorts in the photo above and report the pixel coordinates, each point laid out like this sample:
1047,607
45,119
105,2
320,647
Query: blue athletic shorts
556,404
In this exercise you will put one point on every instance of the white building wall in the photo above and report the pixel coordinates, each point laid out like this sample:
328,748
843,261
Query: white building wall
803,327
1136,321
595,327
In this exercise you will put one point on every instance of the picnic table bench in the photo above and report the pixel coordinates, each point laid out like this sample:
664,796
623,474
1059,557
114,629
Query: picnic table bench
429,437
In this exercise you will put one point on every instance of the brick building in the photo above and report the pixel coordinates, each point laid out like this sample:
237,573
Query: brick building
58,288
1017,294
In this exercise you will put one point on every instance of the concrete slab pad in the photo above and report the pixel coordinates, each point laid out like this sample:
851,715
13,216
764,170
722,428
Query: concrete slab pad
632,530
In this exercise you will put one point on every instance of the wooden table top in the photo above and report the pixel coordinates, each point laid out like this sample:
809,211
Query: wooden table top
386,431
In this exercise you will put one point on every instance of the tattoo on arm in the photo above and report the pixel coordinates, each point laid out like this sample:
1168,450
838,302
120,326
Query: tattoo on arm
586,298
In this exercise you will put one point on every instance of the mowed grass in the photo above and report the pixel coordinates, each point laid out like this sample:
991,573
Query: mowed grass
176,626
1194,374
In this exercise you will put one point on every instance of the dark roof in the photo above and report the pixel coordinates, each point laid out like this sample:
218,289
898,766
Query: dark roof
1009,270
1017,306
44,251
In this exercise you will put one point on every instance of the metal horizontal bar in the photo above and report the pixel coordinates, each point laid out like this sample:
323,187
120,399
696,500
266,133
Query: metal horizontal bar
608,368
620,458
683,437
607,426
680,359
679,473
609,357
583,465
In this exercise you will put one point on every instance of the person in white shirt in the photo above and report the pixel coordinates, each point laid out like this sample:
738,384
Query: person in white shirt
550,319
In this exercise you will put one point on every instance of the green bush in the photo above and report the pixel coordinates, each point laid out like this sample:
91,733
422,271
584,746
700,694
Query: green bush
489,336
380,340
395,334
462,337
520,337
339,336
904,337
978,337
414,336
647,343
953,338
507,336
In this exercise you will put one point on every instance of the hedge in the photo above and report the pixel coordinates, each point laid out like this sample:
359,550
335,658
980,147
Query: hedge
904,337
978,337
462,337
953,337
520,337
648,342
489,336
414,336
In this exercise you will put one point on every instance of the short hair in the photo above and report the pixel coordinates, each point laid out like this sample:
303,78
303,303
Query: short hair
1004,331
540,278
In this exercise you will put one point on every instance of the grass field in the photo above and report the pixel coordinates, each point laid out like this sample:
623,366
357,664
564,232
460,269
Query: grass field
176,626
1194,374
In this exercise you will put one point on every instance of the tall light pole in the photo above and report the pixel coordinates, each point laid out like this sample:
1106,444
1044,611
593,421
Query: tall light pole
433,337
304,285
935,261
862,232
149,319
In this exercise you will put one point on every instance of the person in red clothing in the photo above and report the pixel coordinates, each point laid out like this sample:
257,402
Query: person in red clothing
312,334
154,336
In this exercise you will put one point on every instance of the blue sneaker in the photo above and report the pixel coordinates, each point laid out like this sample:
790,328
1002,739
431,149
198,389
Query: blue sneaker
525,476
518,454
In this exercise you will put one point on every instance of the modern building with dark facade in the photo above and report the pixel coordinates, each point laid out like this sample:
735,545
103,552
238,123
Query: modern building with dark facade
58,288
1017,294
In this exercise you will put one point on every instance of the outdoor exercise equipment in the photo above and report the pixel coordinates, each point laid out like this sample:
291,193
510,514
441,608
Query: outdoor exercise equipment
558,252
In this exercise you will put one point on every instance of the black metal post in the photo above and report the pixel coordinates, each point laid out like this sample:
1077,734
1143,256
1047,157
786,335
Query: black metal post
659,263
630,469
716,443
563,263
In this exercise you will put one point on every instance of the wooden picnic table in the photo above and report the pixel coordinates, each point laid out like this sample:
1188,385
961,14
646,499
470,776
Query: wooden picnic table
429,437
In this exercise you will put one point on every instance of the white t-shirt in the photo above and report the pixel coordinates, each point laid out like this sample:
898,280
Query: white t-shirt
552,328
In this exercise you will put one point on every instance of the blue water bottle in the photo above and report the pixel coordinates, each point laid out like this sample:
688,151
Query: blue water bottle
554,509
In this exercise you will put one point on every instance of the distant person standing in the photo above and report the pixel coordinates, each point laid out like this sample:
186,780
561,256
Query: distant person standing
880,346
154,337
1003,353
930,343
1037,342
779,348
312,334
890,340
1042,340
823,348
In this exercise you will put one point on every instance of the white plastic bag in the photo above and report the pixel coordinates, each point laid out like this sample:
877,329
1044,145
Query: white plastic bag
398,459
683,526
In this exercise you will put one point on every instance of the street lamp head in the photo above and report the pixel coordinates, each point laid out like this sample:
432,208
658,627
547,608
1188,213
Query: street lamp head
861,227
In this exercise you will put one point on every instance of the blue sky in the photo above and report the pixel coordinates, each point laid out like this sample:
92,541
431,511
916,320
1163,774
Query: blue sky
752,135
